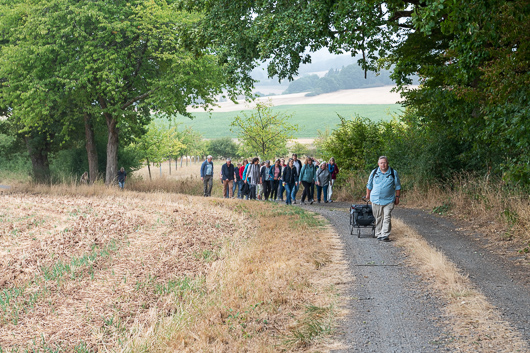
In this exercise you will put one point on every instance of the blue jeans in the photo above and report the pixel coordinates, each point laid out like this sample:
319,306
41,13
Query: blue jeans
319,191
294,191
290,191
121,184
282,189
239,186
236,186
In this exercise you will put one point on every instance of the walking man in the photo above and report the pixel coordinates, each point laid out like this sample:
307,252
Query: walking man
298,165
383,189
122,176
227,177
207,176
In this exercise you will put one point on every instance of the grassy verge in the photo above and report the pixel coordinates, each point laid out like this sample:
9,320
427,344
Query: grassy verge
476,326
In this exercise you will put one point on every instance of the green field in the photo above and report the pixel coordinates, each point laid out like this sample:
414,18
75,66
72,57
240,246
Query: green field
310,118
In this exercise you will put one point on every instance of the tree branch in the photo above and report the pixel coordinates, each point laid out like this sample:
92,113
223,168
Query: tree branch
137,98
400,14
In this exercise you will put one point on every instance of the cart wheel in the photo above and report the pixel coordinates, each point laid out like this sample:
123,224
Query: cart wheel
373,232
351,224
359,232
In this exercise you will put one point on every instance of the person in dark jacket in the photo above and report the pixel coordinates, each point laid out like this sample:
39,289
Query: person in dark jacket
266,179
298,165
227,176
290,181
276,175
237,181
122,176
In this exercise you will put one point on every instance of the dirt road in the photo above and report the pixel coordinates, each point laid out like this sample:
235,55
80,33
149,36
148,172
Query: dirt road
392,310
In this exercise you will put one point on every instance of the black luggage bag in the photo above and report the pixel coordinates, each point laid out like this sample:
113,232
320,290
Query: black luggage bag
361,216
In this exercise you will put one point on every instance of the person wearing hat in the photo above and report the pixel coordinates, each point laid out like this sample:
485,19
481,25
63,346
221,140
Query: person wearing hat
227,177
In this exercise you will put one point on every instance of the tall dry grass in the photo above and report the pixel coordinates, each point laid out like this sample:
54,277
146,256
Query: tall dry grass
476,325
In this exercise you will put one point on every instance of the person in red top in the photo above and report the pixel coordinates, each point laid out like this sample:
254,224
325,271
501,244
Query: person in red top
333,170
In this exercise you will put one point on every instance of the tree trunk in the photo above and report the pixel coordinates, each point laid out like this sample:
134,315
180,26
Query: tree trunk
169,163
112,150
149,168
181,158
38,152
111,173
91,150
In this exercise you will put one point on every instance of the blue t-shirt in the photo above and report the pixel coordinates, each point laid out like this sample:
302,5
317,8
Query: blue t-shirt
383,187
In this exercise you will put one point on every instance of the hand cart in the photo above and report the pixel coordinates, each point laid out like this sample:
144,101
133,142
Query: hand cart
361,216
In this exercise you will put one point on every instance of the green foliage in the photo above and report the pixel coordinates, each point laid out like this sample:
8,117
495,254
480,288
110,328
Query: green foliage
117,61
223,147
472,58
356,144
263,132
300,149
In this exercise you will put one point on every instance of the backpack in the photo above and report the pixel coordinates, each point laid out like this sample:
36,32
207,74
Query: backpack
391,172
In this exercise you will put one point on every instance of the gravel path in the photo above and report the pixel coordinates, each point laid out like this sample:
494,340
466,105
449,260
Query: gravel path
391,310
506,285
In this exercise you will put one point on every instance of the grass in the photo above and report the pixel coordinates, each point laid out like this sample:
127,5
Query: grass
476,325
155,271
310,118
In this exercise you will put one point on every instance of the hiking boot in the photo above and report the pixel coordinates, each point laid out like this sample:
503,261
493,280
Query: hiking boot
385,239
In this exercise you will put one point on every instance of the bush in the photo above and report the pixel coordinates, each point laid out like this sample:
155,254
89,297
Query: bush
223,147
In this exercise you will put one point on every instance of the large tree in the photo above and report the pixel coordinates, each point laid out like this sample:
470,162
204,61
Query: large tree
106,62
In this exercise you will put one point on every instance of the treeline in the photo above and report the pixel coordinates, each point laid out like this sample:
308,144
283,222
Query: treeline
349,77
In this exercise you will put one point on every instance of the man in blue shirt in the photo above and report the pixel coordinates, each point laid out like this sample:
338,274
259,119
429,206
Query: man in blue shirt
207,176
383,189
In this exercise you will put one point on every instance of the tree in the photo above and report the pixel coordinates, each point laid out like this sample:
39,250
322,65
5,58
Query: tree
264,132
223,147
157,144
117,61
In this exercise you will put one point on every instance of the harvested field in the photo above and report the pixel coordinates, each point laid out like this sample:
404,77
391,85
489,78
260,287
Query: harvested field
127,270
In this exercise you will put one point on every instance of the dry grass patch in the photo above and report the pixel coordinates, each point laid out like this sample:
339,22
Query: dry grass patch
92,268
476,325
277,292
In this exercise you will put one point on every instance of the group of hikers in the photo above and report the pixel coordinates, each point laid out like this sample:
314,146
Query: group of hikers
263,181
257,180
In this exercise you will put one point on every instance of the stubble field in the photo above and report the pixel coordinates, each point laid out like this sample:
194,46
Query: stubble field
112,271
